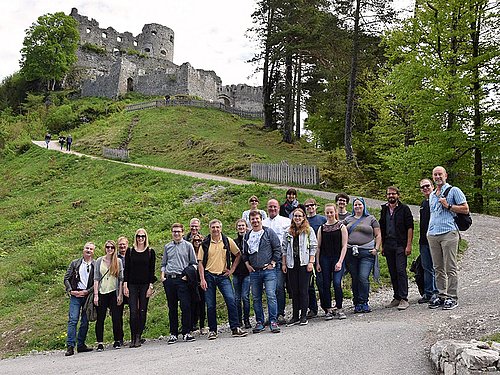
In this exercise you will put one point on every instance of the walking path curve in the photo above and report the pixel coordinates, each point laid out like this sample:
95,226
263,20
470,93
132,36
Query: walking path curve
387,341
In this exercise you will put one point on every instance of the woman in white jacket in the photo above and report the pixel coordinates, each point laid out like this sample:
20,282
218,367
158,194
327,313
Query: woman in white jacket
298,257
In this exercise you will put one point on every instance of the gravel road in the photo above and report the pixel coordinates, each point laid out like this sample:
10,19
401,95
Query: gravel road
386,341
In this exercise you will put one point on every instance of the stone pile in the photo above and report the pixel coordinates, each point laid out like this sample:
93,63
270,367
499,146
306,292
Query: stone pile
453,357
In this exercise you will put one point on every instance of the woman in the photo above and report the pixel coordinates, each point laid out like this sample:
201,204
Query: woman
241,279
108,280
332,248
362,247
298,256
122,251
253,201
138,281
198,300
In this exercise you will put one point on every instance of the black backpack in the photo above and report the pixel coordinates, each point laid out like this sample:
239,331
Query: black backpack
463,221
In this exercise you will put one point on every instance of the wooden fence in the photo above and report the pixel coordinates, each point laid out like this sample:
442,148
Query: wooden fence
195,103
284,173
115,153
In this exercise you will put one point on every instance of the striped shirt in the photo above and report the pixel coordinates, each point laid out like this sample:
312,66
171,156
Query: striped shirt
442,219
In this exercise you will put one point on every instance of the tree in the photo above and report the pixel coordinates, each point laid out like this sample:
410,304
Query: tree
49,48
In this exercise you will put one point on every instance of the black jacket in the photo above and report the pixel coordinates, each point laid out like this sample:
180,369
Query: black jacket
72,276
403,221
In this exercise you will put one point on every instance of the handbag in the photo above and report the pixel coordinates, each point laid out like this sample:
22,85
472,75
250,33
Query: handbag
463,221
89,307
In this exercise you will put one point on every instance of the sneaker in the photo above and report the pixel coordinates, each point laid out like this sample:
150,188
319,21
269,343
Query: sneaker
275,327
281,319
358,309
212,335
328,316
188,338
117,345
247,324
203,331
341,315
394,303
436,303
172,339
450,304
238,332
366,308
259,327
83,349
311,314
69,351
292,322
100,347
424,299
303,321
403,305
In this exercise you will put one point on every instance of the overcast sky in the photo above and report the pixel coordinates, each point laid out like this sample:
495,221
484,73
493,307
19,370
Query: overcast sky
209,34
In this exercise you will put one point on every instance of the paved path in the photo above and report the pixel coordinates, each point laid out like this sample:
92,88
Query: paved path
386,341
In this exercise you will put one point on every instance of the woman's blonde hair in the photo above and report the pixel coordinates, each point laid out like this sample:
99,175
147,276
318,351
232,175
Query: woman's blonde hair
295,229
114,266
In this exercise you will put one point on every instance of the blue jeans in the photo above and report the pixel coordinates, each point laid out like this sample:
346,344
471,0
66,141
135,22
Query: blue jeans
280,289
226,289
258,280
360,267
242,294
429,279
327,271
75,311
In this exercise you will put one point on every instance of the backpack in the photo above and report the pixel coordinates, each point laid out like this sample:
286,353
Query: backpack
463,221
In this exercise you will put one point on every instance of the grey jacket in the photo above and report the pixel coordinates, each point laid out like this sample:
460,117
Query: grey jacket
308,245
269,249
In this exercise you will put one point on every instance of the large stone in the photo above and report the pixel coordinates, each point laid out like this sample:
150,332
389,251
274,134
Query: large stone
495,346
449,368
437,351
477,359
455,348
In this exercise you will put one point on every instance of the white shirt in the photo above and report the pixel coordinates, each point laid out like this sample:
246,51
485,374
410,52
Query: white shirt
254,241
84,275
278,224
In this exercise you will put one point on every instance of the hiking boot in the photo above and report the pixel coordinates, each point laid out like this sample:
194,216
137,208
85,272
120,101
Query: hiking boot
69,351
100,347
450,304
212,335
238,332
188,338
358,309
281,319
275,327
117,345
403,304
83,349
247,324
366,308
303,321
311,314
394,303
340,314
259,327
424,299
292,322
328,316
172,339
436,303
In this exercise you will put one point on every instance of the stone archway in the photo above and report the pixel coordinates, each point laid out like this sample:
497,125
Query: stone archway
225,99
130,84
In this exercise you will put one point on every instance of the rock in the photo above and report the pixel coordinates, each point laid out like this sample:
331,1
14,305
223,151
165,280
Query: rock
480,344
449,368
437,351
476,359
495,346
455,348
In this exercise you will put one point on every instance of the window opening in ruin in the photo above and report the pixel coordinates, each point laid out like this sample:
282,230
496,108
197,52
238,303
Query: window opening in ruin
104,35
163,52
135,43
172,38
130,84
88,30
153,32
118,38
147,50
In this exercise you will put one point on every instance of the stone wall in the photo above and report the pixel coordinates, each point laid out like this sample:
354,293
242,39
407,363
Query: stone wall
248,98
453,357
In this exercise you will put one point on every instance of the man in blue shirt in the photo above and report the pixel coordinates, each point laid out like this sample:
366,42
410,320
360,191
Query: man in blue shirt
443,238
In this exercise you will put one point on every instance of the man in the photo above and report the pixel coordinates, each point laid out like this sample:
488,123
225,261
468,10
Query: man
315,221
194,228
430,289
214,269
396,227
241,278
443,238
69,141
178,256
261,252
78,280
279,225
291,203
342,200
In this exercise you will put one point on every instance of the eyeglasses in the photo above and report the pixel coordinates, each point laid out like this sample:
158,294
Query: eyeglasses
109,247
177,231
341,200
426,186
88,268
298,215
309,205
141,236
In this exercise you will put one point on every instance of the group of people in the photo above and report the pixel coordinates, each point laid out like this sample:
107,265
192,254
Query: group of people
68,140
283,248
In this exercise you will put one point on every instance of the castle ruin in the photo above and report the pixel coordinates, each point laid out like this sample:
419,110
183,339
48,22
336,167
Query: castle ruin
111,64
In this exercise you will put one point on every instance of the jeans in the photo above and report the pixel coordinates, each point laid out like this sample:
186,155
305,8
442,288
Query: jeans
444,249
76,312
429,278
106,301
280,289
226,289
360,267
242,294
299,280
138,304
396,263
328,274
258,280
177,290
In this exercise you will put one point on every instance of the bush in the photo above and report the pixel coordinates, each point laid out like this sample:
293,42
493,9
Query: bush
61,118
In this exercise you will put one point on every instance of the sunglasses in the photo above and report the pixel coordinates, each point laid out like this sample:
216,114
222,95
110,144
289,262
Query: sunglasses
197,241
254,201
88,268
141,236
427,186
309,205
109,247
298,215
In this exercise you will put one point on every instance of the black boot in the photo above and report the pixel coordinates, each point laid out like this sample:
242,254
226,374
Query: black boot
69,351
138,340
132,341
